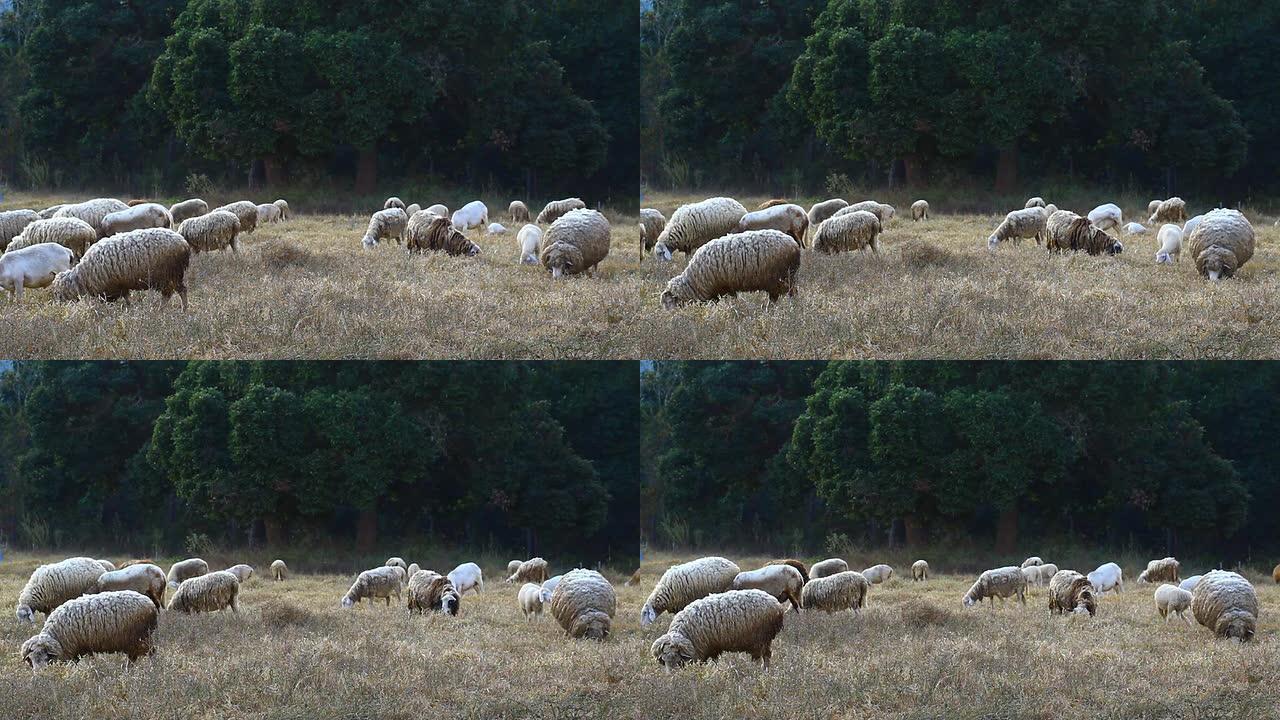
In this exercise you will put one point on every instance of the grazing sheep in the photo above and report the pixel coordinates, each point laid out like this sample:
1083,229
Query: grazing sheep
1221,243
153,259
1107,217
1005,582
843,591
217,230
1172,210
50,211
1047,571
1189,584
246,211
848,231
1032,561
144,578
799,566
111,622
185,570
385,225
697,224
765,260
575,243
781,581
268,213
373,584
518,211
1070,592
1162,570
72,233
1032,574
473,214
427,232
1026,223
439,209
497,229
131,563
884,213
1068,231
790,219
13,222
530,598
528,240
1107,577
51,585
531,570
242,571
285,212
824,568
684,583
137,217
735,621
412,570
557,209
93,212
106,564
212,592
430,591
877,574
467,576
1134,228
1173,599
1034,202
1226,603
1151,207
584,604
920,210
549,587
919,571
33,267
393,202
1170,241
187,209
652,223
279,570
1191,225
772,203
1050,209
820,212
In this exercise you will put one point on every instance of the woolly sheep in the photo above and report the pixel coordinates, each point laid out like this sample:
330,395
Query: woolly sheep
1070,592
13,222
848,231
72,233
530,599
430,591
790,219
652,223
548,587
153,259
473,214
843,591
137,217
427,232
1067,231
268,213
1107,577
531,570
556,209
1189,584
212,592
1026,223
1191,225
697,224
584,604
1151,206
1005,582
1275,574
379,583
824,568
187,209
518,211
144,578
1032,574
772,203
1169,211
385,225
242,571
1050,209
684,583
877,574
497,229
106,564
212,231
412,570
1047,571
1134,228
50,211
1162,570
1221,244
1227,604
884,213
799,566
575,243
284,209
111,622
467,576
51,585
393,202
185,570
919,570
1169,240
1032,561
33,267
1107,217
765,260
396,562
1173,599
528,240
920,210
246,211
783,582
1034,202
735,621
93,212
438,209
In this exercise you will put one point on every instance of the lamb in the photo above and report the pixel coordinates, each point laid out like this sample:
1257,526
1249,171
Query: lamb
1070,592
121,621
557,209
531,570
652,223
1068,231
427,232
144,578
877,574
1221,244
473,214
920,210
13,222
1032,574
187,209
279,571
781,581
1108,576
1034,560
684,583
385,225
1173,599
530,598
374,584
212,592
1036,201
247,211
285,212
137,217
1163,570
518,211
799,566
185,570
497,229
765,260
1170,211
843,591
1189,584
93,212
1170,241
513,565
1191,225
584,604
1005,582
71,233
1026,223
735,621
919,571
268,213
824,568
575,243
33,267
528,240
467,576
848,231
242,571
790,219
52,585
430,591
549,587
1227,604
212,231
884,213
1107,217
1134,228
393,202
153,259
697,224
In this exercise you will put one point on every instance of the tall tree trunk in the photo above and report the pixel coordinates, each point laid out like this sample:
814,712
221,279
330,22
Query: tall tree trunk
274,530
274,169
1007,168
367,170
1007,531
915,530
915,170
366,530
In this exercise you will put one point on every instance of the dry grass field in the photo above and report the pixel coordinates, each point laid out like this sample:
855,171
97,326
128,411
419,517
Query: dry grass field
306,289
934,291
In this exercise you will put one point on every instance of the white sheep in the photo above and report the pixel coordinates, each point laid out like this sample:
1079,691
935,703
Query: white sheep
833,593
121,621
33,267
584,604
279,571
530,599
242,571
1108,577
13,222
379,583
1169,242
285,212
1032,574
830,566
268,213
393,202
93,212
428,232
531,570
1047,571
788,218
72,233
211,592
576,243
843,231
185,570
1221,243
1029,222
1106,217
467,576
734,621
1227,604
684,583
652,223
1034,560
548,587
50,211
1189,584
51,585
528,240
1173,599
1134,228
920,210
152,259
195,207
697,224
1034,202
884,213
137,217
877,574
1005,582
781,581
412,570
513,565
385,225
439,210
212,231
1067,231
919,571
396,562
1162,570
143,578
1191,225
497,229
246,211
556,209
763,260
473,214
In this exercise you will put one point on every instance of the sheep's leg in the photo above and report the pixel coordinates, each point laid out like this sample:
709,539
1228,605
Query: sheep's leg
17,291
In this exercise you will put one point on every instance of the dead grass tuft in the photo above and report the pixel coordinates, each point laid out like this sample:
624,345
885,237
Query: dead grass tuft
919,614
278,254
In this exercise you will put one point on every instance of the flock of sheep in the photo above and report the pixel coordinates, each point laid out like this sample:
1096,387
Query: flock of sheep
732,250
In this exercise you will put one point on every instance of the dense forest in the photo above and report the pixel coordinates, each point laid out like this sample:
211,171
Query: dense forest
155,95
527,457
1162,96
1165,457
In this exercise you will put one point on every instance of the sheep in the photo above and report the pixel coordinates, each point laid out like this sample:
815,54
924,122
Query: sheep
518,211
824,568
1169,211
413,208
584,604
920,210
51,585
548,587
848,231
397,562
285,212
1036,201
799,566
1108,576
247,211
684,583
1032,561
427,232
772,203
430,591
467,576
107,565
393,202
187,209
1050,209
697,224
92,212
634,580
473,214
1151,206
439,209
884,213
1032,574
1227,604
1047,571
379,583
513,565
1169,240
735,621
144,578
652,223
790,219
33,267
268,213
242,571
842,591
49,212
764,260
556,209
72,233
152,259
217,230
530,598
497,229
121,621
528,240
279,571
781,581
138,217
1107,217
1068,231
13,222
385,225
1189,584
1191,225
1070,592
1173,599
877,574
1162,570
919,571
211,592
1221,244
1275,574
1134,228
575,243
531,570
1000,583
1026,223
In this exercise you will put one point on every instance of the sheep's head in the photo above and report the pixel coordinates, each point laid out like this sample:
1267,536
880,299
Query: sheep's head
592,625
348,600
969,599
661,250
26,614
450,602
1237,625
992,242
1086,601
41,650
561,258
647,615
673,651
1116,248
64,287
1215,262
